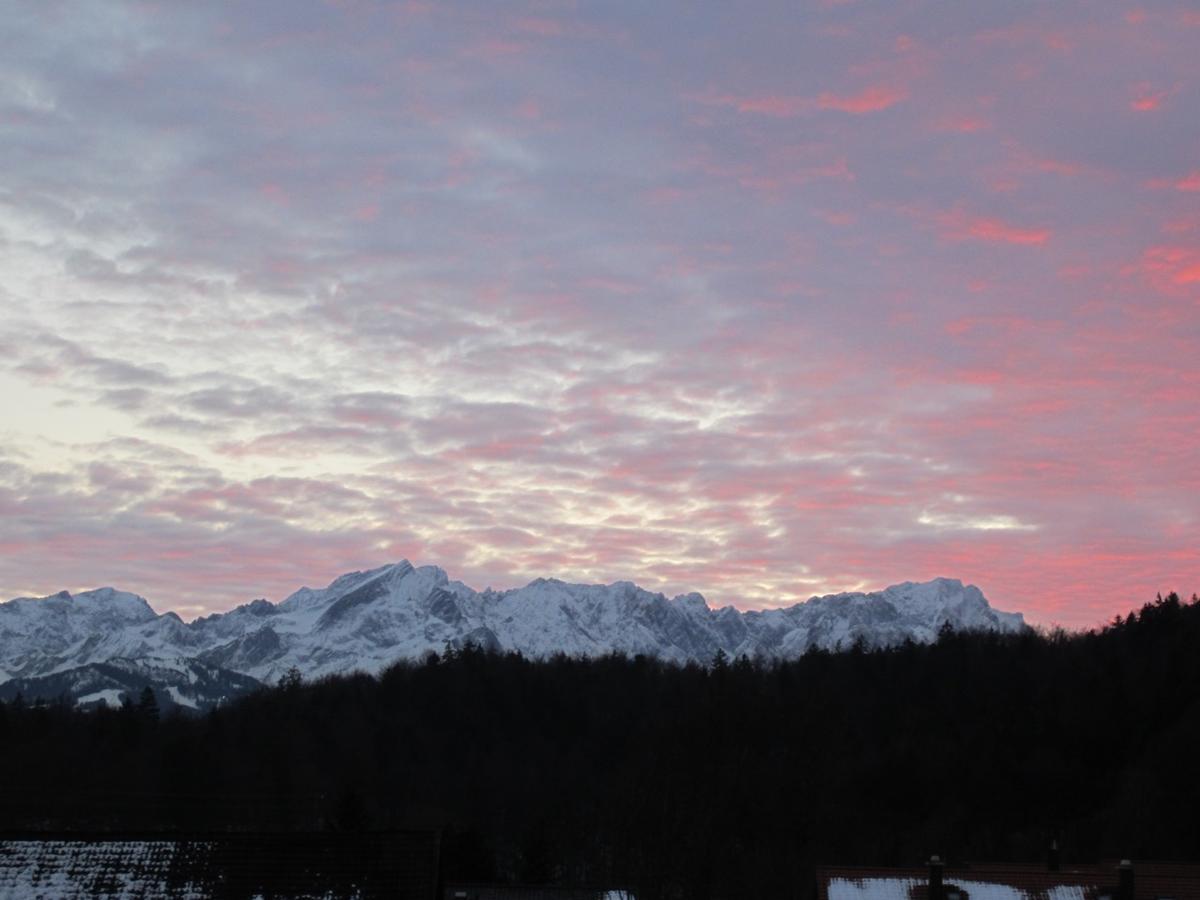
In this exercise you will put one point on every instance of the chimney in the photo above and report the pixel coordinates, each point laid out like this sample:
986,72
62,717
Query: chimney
935,878
1125,880
1052,856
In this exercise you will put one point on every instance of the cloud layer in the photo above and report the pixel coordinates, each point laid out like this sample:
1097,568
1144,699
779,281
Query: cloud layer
764,306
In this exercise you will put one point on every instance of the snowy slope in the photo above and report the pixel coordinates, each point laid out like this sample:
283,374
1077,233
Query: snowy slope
366,620
188,683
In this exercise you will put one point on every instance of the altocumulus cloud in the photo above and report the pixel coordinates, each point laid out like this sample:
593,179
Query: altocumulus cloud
763,306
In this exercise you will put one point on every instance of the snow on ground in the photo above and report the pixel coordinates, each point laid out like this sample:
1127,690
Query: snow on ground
179,697
109,696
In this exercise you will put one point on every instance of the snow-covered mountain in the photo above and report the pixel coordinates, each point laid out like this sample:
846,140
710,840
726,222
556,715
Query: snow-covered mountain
367,620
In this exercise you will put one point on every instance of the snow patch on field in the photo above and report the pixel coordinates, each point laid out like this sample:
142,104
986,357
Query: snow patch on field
110,697
179,697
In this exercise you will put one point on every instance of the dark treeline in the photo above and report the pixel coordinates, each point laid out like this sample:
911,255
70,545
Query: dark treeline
721,781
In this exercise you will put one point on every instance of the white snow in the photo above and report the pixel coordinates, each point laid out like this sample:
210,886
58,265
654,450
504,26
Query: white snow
179,697
989,890
1067,892
871,888
86,869
367,620
110,697
901,889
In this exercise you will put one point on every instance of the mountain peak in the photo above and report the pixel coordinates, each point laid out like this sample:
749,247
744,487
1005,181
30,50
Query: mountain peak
693,603
104,601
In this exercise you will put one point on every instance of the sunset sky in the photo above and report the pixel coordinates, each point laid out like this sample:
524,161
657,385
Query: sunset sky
762,300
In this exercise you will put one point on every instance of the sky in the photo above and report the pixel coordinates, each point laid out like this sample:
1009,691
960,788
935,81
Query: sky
762,300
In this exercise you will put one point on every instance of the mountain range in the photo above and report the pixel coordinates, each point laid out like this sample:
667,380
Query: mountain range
103,645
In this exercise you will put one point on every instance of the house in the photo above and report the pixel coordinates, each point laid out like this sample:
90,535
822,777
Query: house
529,892
397,865
1104,881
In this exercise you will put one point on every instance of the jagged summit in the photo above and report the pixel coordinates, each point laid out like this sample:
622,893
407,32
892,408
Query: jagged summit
367,620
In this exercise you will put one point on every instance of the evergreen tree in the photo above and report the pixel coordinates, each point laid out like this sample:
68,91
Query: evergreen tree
147,705
291,679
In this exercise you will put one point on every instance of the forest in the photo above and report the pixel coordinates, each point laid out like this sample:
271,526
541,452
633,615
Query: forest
728,780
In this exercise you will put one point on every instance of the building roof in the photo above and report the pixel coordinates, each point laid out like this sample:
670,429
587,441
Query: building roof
530,892
181,867
1152,881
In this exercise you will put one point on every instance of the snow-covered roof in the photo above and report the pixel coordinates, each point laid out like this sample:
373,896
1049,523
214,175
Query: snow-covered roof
284,866
530,892
1152,881
91,869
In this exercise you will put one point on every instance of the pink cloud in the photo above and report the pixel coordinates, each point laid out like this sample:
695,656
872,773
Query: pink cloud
782,106
782,168
1190,183
1057,40
1169,266
871,99
771,105
274,193
1147,98
957,226
840,218
996,230
963,124
529,109
541,27
496,49
727,359
1188,275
